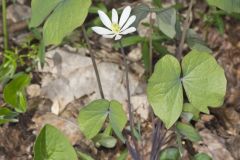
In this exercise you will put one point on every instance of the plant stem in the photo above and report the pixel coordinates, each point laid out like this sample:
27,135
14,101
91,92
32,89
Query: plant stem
93,61
151,45
186,26
130,112
4,19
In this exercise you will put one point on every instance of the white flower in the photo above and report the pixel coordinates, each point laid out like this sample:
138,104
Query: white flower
116,28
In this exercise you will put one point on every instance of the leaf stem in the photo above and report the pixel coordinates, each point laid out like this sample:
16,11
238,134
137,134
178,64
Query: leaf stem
151,45
186,26
130,112
4,19
93,61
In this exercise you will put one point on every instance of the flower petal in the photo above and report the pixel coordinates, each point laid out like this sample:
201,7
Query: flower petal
108,36
105,20
101,30
129,23
118,37
125,15
129,30
114,16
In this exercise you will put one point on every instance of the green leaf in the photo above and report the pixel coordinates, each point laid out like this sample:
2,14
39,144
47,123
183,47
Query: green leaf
84,156
195,42
170,154
6,115
105,141
123,155
95,114
92,117
188,131
117,118
14,93
166,19
41,53
202,156
129,41
141,11
164,90
227,5
51,144
188,107
40,10
63,17
186,116
157,3
145,54
9,65
204,80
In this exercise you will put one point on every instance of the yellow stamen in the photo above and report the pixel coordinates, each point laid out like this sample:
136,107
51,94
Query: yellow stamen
115,28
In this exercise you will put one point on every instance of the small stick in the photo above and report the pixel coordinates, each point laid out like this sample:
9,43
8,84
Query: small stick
186,26
93,61
130,112
4,19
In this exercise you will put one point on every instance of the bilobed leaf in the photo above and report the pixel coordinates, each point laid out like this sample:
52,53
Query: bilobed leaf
202,156
188,131
141,11
170,154
62,17
92,117
40,10
14,92
195,42
227,5
164,90
51,144
69,14
117,118
204,80
166,19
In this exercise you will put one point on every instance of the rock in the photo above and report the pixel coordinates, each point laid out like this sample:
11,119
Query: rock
69,76
22,1
33,90
18,12
140,105
135,55
68,127
213,146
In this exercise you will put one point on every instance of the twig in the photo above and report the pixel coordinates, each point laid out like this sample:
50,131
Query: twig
4,19
130,112
93,61
186,26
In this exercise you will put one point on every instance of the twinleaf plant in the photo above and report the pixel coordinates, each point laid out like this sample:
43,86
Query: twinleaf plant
202,79
60,17
178,90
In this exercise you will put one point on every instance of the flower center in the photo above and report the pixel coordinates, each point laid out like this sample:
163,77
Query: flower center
115,28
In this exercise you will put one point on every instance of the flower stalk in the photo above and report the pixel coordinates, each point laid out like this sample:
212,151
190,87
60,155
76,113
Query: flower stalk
4,19
130,111
93,61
